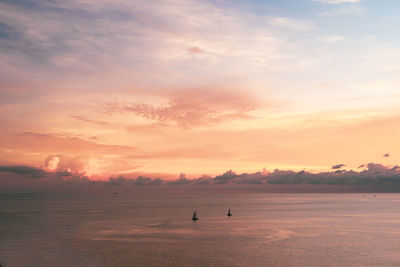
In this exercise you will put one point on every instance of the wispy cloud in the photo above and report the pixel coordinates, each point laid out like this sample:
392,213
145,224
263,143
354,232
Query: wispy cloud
158,39
289,23
39,142
84,119
339,11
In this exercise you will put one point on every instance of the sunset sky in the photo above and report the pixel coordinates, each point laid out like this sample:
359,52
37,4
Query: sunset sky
107,87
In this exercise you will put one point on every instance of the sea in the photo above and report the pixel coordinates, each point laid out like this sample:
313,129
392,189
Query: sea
266,229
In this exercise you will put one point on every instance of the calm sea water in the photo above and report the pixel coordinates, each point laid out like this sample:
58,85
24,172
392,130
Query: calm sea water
157,230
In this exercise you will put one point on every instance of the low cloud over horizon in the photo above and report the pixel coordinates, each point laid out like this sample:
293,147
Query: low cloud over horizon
27,179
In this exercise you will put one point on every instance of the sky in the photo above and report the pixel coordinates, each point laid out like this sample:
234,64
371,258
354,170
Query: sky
198,87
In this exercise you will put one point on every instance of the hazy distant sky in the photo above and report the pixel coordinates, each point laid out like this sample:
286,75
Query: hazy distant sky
112,87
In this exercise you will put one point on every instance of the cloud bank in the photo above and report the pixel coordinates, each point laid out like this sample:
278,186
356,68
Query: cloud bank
374,175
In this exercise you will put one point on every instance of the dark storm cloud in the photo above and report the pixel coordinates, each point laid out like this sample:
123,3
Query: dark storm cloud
140,180
395,168
337,166
225,178
118,181
24,171
375,174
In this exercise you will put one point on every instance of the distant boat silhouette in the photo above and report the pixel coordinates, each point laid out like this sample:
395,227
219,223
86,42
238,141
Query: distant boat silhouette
195,218
229,213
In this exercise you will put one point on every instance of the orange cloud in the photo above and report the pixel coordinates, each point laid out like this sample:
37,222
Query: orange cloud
47,143
58,153
191,108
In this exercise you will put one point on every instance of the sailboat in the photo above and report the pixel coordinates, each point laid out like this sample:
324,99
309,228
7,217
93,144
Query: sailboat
195,218
229,213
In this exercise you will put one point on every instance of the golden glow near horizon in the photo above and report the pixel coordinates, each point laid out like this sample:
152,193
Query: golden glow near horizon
199,87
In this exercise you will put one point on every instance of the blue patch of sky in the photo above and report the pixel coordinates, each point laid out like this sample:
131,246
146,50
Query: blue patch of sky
296,9
5,31
378,18
22,3
384,20
112,11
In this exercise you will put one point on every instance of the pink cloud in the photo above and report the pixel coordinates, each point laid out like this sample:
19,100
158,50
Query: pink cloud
191,108
48,143
61,153
195,50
